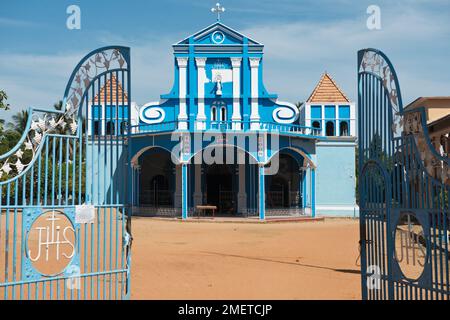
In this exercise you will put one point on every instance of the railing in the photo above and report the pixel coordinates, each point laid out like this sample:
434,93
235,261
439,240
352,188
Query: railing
276,199
226,200
154,128
156,197
290,128
226,126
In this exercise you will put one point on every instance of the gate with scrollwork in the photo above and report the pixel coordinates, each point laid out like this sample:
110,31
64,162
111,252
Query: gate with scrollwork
404,189
64,222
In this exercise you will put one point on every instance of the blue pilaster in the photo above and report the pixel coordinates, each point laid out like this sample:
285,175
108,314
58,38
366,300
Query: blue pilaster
138,184
184,191
262,193
313,192
304,188
245,85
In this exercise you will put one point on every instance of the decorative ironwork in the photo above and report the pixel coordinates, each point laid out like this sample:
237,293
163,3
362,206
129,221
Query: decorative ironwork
40,126
404,198
90,69
375,63
55,169
66,123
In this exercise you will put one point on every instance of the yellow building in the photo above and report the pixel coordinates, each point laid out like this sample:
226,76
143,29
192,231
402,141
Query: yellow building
437,110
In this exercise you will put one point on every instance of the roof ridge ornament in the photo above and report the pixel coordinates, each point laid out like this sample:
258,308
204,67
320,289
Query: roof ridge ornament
218,9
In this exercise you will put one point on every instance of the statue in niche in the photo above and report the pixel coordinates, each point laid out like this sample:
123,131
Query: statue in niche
219,85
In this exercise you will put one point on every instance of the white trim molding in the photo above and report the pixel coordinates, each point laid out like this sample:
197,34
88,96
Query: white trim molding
182,81
236,116
285,114
151,113
254,74
201,75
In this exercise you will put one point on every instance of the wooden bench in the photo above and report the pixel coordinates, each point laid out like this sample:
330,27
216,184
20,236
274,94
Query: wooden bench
204,208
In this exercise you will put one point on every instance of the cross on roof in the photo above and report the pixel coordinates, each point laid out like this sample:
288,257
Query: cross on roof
218,9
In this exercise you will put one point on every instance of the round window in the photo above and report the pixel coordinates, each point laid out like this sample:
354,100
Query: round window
218,37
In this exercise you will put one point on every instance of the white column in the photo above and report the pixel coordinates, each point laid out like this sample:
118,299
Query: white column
90,117
182,81
322,112
352,120
336,126
103,120
242,195
308,115
236,116
308,122
254,115
198,185
201,75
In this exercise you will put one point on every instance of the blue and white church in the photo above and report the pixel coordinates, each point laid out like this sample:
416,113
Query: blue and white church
220,139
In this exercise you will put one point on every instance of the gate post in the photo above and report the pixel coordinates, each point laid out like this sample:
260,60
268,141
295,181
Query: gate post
184,191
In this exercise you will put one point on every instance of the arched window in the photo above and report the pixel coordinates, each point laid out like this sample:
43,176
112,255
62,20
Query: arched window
316,124
123,126
223,114
96,128
343,128
110,129
213,114
330,129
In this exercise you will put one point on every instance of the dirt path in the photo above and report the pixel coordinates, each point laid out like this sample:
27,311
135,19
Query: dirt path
313,260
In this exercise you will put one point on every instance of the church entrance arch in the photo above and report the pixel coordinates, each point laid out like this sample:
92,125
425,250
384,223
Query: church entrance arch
220,188
284,188
156,179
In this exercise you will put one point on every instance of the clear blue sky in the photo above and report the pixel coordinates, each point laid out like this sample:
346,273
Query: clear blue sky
302,38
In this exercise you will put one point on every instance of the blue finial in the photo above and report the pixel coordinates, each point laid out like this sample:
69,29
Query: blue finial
218,9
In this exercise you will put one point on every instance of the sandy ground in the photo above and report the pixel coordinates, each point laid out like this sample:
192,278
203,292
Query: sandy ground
201,260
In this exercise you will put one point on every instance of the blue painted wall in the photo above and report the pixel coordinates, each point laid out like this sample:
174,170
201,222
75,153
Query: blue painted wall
335,178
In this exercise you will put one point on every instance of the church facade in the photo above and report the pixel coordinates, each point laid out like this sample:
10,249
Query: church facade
219,138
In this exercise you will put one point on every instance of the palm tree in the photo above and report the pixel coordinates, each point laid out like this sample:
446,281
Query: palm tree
19,123
3,98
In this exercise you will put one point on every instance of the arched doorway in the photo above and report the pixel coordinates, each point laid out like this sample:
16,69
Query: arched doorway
284,189
220,190
156,179
224,176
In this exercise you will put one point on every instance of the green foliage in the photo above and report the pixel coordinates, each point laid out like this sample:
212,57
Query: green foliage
19,123
3,98
11,133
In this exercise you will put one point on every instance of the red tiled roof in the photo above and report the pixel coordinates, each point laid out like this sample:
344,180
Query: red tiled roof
113,91
327,91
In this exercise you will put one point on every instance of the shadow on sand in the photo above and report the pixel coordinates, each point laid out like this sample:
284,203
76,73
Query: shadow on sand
349,271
